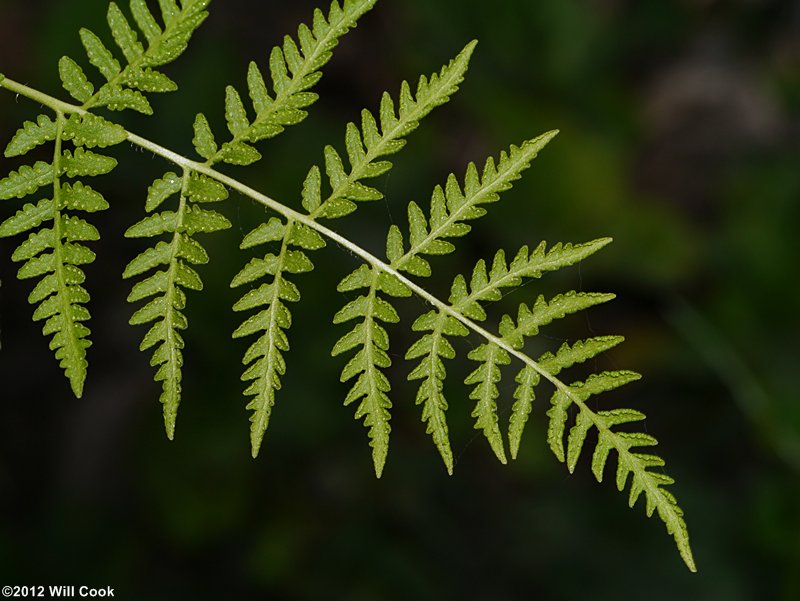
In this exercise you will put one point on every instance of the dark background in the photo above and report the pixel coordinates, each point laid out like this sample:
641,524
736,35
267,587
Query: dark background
679,137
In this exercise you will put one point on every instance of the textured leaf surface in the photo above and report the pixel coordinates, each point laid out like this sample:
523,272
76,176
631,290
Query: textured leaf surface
634,469
264,361
170,263
126,81
54,254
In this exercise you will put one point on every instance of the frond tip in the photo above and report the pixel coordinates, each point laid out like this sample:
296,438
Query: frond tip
634,469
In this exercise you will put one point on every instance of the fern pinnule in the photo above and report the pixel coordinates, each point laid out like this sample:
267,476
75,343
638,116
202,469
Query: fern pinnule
295,68
366,149
451,207
264,357
372,340
126,85
59,295
167,285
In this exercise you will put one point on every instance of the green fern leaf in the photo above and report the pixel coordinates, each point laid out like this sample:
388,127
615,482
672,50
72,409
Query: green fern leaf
431,370
90,131
167,285
264,358
79,197
293,72
579,352
204,142
124,35
633,468
55,249
527,380
235,113
161,189
117,98
27,218
31,135
126,82
372,386
25,181
145,20
85,163
74,80
451,207
395,126
55,253
100,56
486,377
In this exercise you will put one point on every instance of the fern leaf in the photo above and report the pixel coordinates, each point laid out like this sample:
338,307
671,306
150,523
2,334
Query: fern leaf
25,181
264,359
56,253
633,468
85,163
31,135
527,380
204,142
100,56
126,81
294,71
168,285
91,130
451,206
345,188
433,348
579,352
486,377
372,142
74,80
124,35
372,386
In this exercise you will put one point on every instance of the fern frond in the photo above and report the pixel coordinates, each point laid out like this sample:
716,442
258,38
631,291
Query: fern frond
126,86
264,358
379,138
56,253
485,378
295,68
171,261
55,250
633,468
372,340
431,370
451,206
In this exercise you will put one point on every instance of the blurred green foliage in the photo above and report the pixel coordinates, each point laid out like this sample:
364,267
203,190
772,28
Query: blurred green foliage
680,123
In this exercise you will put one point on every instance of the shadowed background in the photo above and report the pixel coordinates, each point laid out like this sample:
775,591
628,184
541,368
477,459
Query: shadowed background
679,137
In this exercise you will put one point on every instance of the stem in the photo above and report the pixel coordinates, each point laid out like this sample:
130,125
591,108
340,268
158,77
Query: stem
40,97
308,221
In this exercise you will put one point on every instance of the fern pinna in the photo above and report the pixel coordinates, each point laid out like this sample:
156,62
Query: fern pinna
178,210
